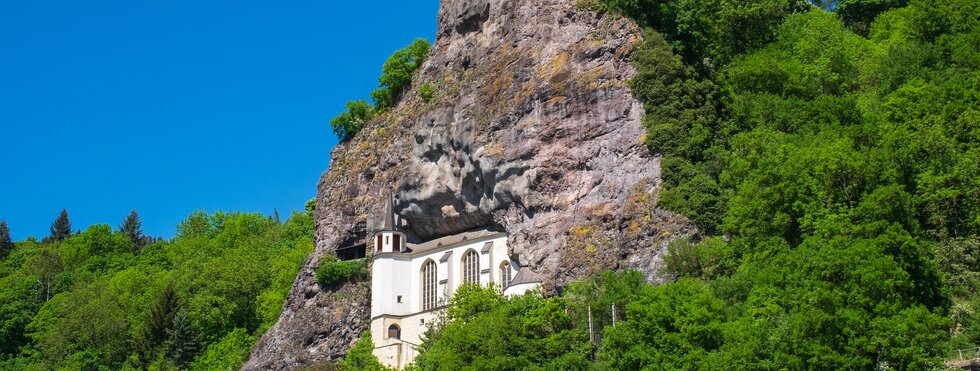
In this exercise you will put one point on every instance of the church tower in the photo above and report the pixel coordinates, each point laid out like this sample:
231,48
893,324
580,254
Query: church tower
389,239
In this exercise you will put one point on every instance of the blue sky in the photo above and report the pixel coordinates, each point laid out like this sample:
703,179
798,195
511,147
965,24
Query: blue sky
173,106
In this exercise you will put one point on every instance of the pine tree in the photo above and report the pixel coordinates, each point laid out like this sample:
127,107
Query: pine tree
132,226
182,342
158,322
275,215
61,228
6,243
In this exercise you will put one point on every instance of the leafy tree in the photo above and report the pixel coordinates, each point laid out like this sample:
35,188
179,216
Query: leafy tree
6,243
227,354
348,123
361,356
858,14
61,228
396,74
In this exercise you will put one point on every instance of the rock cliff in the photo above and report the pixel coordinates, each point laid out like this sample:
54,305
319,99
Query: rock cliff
532,130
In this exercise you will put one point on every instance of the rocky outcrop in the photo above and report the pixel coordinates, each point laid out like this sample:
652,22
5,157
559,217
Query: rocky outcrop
533,130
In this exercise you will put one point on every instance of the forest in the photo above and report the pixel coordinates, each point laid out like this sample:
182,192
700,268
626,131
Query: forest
830,156
111,298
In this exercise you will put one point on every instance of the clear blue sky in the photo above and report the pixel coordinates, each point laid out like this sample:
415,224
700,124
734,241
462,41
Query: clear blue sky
173,106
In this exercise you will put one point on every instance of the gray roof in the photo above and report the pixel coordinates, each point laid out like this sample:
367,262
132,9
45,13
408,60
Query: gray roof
486,247
389,222
526,275
451,240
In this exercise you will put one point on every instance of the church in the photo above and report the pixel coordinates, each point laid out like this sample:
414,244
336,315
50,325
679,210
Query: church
411,283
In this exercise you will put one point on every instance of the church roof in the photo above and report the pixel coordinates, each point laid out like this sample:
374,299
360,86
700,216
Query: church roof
451,240
389,222
526,275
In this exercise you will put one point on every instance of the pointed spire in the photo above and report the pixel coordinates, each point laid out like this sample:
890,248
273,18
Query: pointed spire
389,223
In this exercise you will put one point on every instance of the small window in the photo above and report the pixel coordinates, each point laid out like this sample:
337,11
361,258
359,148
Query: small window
504,275
399,298
394,332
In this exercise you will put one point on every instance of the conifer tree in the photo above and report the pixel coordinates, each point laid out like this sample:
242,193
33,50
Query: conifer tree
6,243
158,322
132,227
61,228
182,342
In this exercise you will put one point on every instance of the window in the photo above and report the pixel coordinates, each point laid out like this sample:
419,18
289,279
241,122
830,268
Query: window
378,243
504,275
394,332
399,298
471,267
428,285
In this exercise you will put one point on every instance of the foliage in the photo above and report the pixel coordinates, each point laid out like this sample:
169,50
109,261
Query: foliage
132,227
396,74
361,356
427,91
61,227
332,271
198,300
6,243
348,123
538,334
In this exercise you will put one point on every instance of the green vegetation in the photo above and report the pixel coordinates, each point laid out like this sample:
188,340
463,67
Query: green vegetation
332,271
348,123
831,161
99,300
427,91
361,357
396,76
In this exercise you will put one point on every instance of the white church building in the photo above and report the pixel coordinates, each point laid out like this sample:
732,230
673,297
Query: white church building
411,283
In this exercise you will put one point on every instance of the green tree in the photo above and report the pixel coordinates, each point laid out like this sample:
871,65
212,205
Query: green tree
6,243
361,356
348,123
396,74
132,227
159,323
61,228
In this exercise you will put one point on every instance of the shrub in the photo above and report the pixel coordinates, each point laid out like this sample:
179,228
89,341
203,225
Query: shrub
396,74
426,91
361,356
348,123
332,271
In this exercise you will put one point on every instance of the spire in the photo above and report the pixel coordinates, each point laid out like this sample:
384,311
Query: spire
389,223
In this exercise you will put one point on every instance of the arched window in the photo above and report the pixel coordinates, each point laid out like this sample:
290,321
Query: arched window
471,267
394,332
428,285
504,275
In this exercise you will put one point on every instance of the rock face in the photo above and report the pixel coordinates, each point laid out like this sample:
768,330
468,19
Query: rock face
533,130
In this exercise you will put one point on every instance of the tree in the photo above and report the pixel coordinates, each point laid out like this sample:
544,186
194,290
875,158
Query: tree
61,228
159,323
6,243
348,123
132,228
360,356
396,74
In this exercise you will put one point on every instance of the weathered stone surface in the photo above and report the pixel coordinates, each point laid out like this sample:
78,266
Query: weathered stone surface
533,130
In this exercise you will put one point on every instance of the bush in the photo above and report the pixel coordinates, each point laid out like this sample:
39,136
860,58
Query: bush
348,123
332,271
361,356
396,74
426,91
